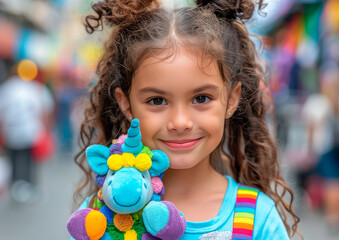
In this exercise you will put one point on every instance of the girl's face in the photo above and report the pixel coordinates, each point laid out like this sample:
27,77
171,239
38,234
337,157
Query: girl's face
181,108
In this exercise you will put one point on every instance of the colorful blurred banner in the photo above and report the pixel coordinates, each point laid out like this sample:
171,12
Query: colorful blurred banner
55,39
298,33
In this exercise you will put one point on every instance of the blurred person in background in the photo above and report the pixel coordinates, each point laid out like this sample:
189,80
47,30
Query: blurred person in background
320,114
25,109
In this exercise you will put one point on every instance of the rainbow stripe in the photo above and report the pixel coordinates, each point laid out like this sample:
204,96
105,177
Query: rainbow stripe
244,213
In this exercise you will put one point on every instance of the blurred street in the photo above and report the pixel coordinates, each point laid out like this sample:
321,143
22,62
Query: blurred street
313,225
46,217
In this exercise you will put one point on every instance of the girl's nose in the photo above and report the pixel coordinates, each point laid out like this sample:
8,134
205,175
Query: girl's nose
179,120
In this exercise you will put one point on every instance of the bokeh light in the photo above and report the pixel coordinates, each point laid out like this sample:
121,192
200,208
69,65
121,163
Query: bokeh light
27,70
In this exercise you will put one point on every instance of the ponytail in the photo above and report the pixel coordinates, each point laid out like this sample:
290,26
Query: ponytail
117,13
232,9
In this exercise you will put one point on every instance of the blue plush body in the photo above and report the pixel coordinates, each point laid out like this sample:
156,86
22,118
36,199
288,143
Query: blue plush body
128,173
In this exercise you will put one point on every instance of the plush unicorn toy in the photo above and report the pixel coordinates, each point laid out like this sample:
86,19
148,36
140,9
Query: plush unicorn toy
128,205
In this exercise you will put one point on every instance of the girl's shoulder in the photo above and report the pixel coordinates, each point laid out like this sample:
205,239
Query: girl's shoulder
264,204
267,220
263,201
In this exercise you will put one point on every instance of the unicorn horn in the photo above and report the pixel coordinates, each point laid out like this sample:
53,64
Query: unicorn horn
133,143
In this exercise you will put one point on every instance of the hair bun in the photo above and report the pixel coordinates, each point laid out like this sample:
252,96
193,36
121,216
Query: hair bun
117,12
231,9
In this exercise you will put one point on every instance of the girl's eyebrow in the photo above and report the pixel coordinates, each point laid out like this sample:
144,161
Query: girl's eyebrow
206,87
161,92
152,90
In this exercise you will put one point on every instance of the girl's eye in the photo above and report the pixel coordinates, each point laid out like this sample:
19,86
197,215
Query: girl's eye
157,101
201,99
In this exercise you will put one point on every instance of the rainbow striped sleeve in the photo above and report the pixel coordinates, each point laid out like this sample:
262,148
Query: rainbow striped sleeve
244,212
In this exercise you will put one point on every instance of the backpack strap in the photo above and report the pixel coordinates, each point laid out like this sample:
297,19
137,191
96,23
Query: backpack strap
244,212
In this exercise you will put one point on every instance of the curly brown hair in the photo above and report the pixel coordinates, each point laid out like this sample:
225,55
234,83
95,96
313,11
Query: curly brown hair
140,29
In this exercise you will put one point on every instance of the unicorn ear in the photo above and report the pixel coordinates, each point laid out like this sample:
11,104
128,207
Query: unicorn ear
160,163
97,156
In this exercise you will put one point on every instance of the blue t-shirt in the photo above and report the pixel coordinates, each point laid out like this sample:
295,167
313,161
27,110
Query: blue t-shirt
267,222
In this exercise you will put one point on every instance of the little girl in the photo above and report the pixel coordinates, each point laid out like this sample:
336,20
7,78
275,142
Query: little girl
191,76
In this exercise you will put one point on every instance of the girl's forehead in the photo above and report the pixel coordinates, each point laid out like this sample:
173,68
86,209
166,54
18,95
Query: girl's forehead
173,60
180,72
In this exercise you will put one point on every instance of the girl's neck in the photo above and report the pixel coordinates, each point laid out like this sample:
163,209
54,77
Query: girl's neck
187,182
185,188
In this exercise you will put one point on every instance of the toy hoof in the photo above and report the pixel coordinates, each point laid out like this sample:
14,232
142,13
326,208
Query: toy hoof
148,236
163,220
155,216
87,224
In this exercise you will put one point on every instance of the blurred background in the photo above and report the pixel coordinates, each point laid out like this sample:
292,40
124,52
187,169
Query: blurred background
47,63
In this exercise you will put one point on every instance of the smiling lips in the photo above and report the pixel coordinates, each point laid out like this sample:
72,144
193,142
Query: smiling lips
182,144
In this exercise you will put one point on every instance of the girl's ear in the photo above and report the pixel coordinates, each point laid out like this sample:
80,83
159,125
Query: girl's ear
233,100
123,102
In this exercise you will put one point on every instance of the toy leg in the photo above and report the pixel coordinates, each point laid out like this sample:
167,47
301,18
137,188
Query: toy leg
163,220
148,236
87,224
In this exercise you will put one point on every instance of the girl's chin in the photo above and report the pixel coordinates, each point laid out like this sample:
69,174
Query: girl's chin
181,165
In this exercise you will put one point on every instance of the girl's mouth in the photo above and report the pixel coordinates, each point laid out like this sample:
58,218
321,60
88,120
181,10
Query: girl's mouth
182,143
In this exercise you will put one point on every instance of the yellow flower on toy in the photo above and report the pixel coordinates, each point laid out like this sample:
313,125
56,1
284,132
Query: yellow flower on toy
142,162
129,159
115,162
